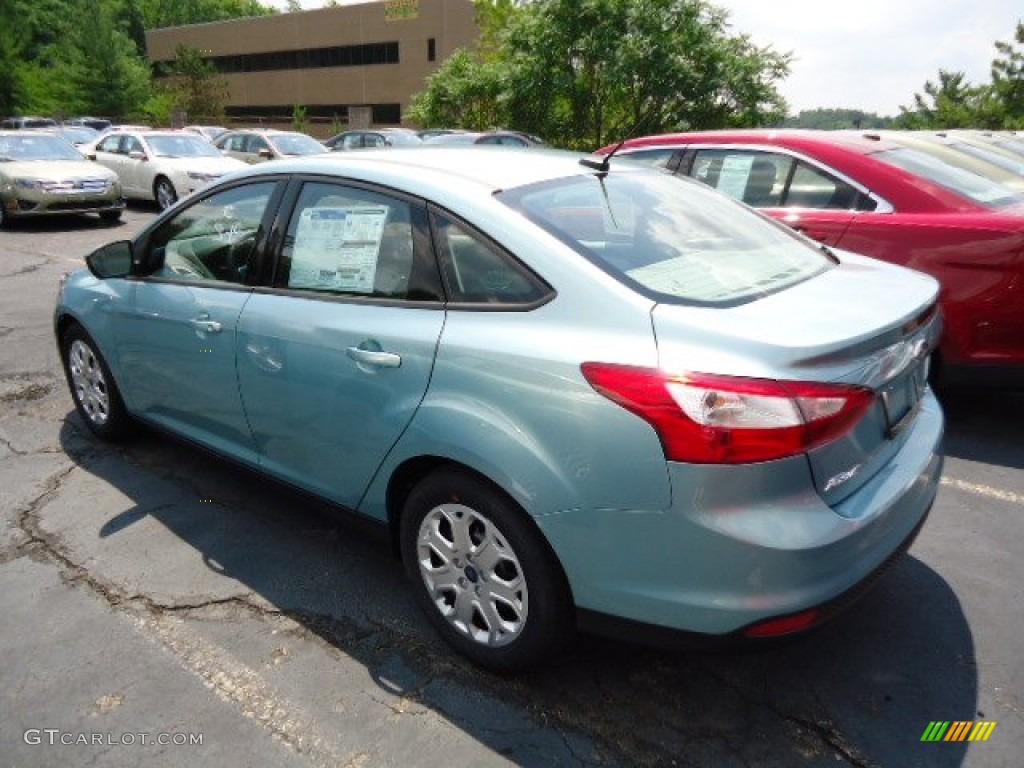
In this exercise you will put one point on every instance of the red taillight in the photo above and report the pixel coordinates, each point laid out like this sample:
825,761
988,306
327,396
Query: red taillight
711,419
784,625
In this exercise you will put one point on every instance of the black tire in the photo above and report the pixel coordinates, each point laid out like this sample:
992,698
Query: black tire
111,217
503,602
96,396
164,193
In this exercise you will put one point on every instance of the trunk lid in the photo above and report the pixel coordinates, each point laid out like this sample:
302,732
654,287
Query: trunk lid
866,323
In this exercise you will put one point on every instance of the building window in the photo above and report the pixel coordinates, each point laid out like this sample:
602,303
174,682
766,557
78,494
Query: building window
312,58
431,50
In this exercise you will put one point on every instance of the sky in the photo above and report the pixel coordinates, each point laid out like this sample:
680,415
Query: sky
872,55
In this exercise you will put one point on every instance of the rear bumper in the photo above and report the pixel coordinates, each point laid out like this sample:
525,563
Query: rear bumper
676,639
744,544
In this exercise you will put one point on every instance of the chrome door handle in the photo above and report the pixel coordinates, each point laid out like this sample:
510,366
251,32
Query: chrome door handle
374,357
205,325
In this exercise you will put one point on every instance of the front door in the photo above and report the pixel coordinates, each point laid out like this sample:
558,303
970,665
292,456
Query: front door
178,351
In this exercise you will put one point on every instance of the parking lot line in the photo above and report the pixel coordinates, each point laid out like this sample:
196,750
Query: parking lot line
984,490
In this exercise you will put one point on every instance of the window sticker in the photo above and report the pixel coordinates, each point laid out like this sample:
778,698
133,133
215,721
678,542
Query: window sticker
734,174
336,249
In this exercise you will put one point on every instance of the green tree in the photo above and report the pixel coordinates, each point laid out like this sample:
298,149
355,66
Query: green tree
949,102
1008,79
104,71
582,73
12,47
836,119
300,122
195,86
174,13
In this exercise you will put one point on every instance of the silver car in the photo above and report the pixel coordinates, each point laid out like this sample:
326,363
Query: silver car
574,395
43,174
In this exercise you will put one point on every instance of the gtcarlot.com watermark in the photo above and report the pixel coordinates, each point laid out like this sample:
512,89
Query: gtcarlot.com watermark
55,736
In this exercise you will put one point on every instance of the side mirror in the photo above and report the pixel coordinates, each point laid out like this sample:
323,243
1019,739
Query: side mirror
266,153
112,260
137,154
91,155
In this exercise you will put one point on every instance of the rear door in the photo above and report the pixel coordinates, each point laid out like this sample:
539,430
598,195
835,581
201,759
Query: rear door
334,359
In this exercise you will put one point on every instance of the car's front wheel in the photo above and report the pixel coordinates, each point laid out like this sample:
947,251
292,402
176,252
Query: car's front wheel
96,396
111,217
164,193
484,575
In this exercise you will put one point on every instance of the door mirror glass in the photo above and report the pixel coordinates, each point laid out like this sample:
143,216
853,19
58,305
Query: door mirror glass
112,260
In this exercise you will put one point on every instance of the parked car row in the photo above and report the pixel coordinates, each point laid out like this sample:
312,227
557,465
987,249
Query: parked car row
161,166
376,138
950,205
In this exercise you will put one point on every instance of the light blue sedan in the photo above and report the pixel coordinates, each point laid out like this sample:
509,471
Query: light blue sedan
578,396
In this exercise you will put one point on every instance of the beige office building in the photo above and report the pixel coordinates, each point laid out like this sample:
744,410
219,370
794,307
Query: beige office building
359,62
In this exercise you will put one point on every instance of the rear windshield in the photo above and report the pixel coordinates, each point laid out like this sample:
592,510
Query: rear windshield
671,238
977,188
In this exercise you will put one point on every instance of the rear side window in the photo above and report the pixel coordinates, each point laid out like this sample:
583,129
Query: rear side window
478,272
669,238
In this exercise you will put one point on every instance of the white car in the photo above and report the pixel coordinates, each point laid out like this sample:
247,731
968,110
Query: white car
161,165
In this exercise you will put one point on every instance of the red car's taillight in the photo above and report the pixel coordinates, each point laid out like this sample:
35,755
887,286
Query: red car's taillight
711,419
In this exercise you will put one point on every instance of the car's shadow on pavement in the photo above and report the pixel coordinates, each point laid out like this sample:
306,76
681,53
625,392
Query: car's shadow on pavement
985,425
75,222
860,690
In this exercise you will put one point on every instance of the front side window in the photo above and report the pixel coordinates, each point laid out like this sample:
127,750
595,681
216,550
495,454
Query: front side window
669,238
211,240
357,242
109,144
756,178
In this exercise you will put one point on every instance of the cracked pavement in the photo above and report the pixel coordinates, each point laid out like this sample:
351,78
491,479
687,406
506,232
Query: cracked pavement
148,588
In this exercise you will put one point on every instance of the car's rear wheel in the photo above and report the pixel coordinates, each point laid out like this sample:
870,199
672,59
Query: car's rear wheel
164,193
96,396
484,575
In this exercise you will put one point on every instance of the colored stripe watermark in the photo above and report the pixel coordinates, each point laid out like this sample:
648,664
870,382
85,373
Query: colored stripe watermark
958,730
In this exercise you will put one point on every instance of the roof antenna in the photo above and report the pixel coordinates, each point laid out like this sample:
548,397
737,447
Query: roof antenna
601,163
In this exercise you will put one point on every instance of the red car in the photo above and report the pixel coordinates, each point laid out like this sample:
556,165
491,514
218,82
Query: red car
864,194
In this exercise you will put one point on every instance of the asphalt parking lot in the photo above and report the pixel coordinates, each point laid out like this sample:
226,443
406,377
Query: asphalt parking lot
159,606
